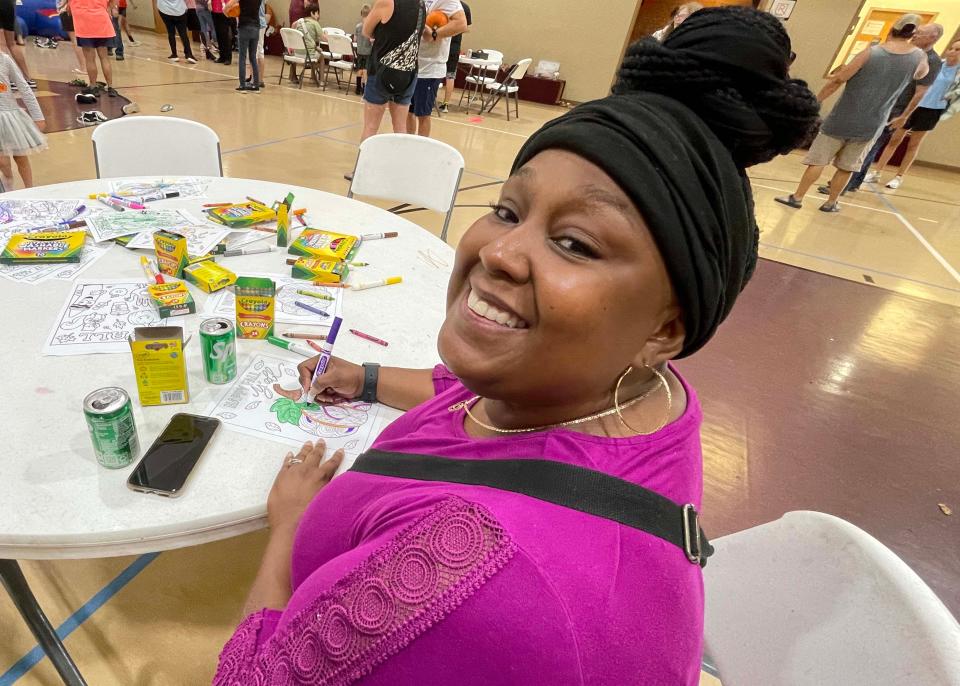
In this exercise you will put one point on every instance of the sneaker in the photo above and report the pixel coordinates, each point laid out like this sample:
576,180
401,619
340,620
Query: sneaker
253,89
131,108
872,177
88,119
32,83
99,116
790,201
894,183
825,190
443,108
173,58
261,85
830,207
209,56
132,41
190,60
119,58
112,92
85,98
242,89
110,52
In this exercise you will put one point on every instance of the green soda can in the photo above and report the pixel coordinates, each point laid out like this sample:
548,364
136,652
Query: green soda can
218,338
109,415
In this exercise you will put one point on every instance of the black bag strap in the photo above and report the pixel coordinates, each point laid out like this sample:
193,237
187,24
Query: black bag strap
577,488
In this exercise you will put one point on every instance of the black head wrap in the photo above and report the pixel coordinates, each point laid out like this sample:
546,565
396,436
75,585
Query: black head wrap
686,117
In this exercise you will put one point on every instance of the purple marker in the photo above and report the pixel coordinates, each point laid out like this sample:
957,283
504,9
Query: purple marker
324,361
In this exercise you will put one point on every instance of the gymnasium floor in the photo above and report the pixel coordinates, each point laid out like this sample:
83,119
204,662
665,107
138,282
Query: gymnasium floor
832,386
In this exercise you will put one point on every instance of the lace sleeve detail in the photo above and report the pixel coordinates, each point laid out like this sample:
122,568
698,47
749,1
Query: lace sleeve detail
394,596
237,655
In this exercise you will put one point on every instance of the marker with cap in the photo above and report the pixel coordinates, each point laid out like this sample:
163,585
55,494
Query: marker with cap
374,284
289,345
247,251
129,203
325,355
378,236
111,203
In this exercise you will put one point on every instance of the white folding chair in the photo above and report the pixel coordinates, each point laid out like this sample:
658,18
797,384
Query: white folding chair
339,44
480,76
509,86
409,169
332,31
156,146
292,43
811,600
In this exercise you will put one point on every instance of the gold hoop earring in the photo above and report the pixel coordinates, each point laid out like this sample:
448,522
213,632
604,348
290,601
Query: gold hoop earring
666,386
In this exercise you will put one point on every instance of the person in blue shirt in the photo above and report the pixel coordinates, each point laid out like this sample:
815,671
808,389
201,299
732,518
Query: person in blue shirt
924,119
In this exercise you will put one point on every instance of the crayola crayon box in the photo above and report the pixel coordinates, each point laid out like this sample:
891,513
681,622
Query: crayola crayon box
241,214
209,276
172,299
171,250
43,247
159,365
255,301
327,271
325,245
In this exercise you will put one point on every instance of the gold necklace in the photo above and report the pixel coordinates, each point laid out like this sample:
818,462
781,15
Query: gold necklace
616,409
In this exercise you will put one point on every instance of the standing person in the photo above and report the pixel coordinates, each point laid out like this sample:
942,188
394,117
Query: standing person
8,22
641,200
20,135
925,37
174,16
94,26
454,59
117,35
208,31
260,46
678,15
364,48
222,24
395,27
872,81
432,63
124,24
923,119
248,33
66,23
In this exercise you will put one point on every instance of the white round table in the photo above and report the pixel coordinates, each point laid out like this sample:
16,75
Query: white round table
57,502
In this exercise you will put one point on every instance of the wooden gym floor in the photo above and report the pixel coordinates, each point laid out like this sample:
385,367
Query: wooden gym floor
830,388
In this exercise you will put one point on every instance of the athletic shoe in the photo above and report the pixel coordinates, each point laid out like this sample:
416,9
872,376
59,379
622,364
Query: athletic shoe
790,201
253,89
825,190
209,56
830,207
32,83
173,58
132,41
894,183
872,176
100,116
190,60
85,98
110,52
88,119
112,92
261,85
131,108
119,58
443,108
243,89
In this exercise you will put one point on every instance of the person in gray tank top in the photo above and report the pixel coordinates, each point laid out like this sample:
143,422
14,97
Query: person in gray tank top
872,81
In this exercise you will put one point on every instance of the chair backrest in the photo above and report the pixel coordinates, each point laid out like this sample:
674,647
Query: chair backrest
520,69
340,44
812,600
496,57
333,31
292,40
156,146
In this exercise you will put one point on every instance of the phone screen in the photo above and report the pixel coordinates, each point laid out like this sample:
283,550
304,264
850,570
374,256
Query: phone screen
169,461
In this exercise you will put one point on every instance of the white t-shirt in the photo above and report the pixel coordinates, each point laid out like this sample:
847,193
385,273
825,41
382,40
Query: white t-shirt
432,61
172,8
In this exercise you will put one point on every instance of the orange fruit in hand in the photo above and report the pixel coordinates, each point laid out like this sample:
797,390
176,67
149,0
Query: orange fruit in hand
436,19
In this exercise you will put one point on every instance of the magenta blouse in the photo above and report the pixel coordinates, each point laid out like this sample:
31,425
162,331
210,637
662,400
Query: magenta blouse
409,582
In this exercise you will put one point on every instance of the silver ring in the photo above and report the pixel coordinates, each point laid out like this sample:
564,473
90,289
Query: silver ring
293,461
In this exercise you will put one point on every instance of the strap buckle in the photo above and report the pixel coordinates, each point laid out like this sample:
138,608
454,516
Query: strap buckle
691,535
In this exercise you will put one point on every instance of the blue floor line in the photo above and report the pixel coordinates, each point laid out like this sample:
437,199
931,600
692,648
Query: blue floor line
28,661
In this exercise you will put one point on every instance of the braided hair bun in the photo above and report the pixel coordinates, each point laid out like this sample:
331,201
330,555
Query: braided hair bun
729,65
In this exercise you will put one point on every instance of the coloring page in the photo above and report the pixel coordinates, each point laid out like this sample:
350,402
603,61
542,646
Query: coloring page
99,316
35,273
200,239
255,404
41,212
186,186
107,226
241,239
223,303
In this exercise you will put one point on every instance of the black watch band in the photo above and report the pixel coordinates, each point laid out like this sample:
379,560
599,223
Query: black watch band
371,375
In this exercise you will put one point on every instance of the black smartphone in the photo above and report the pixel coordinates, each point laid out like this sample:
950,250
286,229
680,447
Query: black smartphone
167,464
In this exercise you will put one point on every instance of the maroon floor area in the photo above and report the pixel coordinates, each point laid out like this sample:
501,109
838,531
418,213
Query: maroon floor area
61,110
823,394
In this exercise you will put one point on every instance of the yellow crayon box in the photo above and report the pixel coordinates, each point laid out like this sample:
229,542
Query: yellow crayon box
159,365
171,249
327,245
209,276
242,214
255,302
172,299
326,271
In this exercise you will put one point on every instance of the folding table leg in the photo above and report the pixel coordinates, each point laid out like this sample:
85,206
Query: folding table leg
16,585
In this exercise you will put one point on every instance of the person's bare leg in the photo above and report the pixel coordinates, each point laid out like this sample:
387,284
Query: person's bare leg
447,90
105,65
837,184
398,115
16,52
6,171
90,61
411,124
809,178
891,148
77,50
23,166
372,116
913,147
424,128
260,66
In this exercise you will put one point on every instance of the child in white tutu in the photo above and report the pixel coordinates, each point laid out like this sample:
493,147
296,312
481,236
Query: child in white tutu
19,134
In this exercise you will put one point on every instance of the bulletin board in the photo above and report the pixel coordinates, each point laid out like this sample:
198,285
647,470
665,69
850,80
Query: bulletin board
876,26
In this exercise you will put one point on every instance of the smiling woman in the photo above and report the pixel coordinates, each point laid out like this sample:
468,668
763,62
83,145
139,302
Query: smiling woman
620,242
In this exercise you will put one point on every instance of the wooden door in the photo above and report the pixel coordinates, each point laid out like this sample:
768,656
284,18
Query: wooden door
876,27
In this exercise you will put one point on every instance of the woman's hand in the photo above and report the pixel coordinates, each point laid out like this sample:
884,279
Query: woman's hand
41,124
341,380
300,478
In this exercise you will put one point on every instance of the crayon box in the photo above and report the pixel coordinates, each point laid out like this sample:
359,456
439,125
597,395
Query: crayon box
171,250
172,299
242,214
45,246
326,271
209,276
325,245
159,365
254,306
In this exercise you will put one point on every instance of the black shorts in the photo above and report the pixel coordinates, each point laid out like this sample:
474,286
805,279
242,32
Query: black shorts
66,22
361,62
923,119
122,11
8,15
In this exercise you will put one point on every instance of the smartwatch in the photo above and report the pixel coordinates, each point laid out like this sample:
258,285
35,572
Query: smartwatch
371,374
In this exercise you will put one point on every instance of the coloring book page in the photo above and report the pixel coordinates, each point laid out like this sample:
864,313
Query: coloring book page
107,226
254,404
186,186
200,239
35,273
223,304
42,212
99,316
241,239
